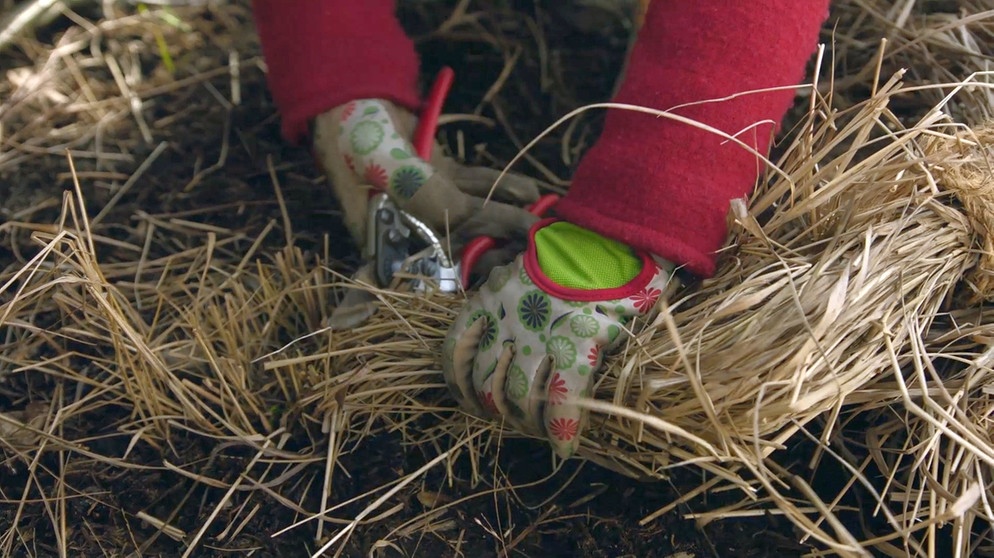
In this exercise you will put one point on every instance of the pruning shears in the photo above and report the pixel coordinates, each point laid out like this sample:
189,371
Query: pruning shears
398,241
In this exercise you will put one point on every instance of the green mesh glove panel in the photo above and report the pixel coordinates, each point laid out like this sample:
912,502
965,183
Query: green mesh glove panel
577,258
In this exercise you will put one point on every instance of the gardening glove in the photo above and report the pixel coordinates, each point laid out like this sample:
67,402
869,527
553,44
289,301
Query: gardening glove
531,341
365,144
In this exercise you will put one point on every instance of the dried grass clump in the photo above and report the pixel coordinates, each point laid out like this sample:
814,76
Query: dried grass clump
971,178
827,302
847,314
936,42
810,306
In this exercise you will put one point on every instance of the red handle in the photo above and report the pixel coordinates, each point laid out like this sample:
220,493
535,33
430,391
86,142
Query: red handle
480,245
424,135
424,142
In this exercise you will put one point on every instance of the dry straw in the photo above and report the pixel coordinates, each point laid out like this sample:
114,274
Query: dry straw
848,312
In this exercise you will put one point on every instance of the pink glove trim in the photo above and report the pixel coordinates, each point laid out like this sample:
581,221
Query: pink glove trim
534,271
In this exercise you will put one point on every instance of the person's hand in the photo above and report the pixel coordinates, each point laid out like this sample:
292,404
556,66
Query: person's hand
532,340
366,144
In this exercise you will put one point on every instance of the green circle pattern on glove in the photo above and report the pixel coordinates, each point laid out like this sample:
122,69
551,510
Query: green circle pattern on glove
372,147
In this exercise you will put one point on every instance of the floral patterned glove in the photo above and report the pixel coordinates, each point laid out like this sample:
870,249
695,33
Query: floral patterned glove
364,144
531,341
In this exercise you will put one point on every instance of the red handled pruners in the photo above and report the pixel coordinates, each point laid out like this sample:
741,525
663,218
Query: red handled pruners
398,241
480,245
392,230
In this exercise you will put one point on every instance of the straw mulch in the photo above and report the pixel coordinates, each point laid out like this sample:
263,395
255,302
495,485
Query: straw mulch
163,321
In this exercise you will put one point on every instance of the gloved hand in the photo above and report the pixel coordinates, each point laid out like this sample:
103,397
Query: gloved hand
365,143
532,340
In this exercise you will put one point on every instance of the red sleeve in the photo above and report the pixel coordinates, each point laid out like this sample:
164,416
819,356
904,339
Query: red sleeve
324,53
663,186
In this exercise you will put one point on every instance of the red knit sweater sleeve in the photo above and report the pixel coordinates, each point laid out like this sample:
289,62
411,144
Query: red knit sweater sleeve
324,53
663,186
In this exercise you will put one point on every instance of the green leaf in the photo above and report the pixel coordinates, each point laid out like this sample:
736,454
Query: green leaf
559,320
400,154
370,110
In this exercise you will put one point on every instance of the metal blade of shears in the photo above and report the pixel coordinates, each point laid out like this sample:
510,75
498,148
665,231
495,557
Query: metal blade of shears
390,231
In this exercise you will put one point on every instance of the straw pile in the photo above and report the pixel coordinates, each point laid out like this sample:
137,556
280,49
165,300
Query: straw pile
847,315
